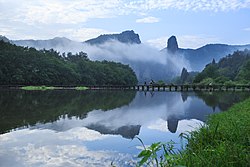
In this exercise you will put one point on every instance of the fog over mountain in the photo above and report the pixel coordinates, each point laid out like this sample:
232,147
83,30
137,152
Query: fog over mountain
147,62
128,37
200,57
126,47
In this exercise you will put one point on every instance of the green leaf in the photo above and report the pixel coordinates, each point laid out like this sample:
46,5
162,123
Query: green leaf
143,160
144,153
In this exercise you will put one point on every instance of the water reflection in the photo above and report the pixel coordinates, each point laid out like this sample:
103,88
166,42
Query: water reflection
26,108
74,128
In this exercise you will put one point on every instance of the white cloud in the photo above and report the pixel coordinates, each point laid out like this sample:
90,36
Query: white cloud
56,149
247,29
183,125
159,43
148,20
78,11
43,19
66,12
193,5
185,41
82,34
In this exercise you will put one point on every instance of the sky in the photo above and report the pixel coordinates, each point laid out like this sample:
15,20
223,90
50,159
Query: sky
194,22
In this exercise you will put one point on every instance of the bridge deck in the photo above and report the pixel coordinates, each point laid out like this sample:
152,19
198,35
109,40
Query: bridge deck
177,87
153,87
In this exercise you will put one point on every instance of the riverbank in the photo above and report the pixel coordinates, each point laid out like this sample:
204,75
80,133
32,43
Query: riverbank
224,141
51,88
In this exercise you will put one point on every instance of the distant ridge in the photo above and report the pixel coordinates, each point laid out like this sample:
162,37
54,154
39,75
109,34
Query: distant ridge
47,44
3,38
198,58
129,37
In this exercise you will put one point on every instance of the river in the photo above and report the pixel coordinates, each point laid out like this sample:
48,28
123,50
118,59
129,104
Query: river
98,128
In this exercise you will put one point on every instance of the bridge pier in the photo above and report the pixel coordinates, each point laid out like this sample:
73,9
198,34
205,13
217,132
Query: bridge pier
171,87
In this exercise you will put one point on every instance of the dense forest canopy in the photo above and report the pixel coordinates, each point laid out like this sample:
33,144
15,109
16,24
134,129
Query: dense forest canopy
28,66
232,69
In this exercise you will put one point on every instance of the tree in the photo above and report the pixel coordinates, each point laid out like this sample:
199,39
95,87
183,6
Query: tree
28,66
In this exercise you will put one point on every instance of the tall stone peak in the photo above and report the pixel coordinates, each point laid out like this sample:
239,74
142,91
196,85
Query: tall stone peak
129,37
172,44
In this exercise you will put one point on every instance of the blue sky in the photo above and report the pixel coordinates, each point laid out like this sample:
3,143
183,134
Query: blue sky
193,22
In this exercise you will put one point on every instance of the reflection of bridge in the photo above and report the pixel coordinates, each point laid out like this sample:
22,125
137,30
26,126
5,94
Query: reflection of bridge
151,87
173,87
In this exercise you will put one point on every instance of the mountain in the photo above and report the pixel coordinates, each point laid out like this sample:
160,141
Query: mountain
58,43
3,38
235,67
172,45
137,56
198,58
129,37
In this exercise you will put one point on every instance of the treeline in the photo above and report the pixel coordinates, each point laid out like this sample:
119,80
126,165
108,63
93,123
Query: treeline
28,66
232,69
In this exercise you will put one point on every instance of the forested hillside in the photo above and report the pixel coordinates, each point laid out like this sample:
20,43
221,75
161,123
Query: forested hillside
233,68
28,66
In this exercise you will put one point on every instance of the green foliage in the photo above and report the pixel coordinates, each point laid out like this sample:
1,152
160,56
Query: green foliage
221,80
38,87
224,141
27,66
234,67
160,82
209,72
244,73
81,88
158,154
207,81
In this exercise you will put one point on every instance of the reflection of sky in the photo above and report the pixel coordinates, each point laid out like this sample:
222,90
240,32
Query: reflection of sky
48,148
71,142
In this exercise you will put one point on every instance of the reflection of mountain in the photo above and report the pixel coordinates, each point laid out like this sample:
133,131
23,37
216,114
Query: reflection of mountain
172,125
128,132
169,106
22,108
108,112
222,100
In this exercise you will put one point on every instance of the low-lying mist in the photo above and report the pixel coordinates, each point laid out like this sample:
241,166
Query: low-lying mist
147,62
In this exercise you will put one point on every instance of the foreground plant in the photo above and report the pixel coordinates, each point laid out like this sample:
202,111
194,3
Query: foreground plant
223,142
158,154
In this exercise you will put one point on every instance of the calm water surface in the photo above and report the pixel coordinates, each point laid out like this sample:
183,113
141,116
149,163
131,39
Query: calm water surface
96,128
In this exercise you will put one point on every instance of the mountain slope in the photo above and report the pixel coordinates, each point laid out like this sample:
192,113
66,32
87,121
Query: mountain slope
128,37
61,44
3,38
146,63
198,58
233,67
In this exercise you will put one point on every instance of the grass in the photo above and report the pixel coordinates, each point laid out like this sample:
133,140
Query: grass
50,88
224,141
81,88
38,87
